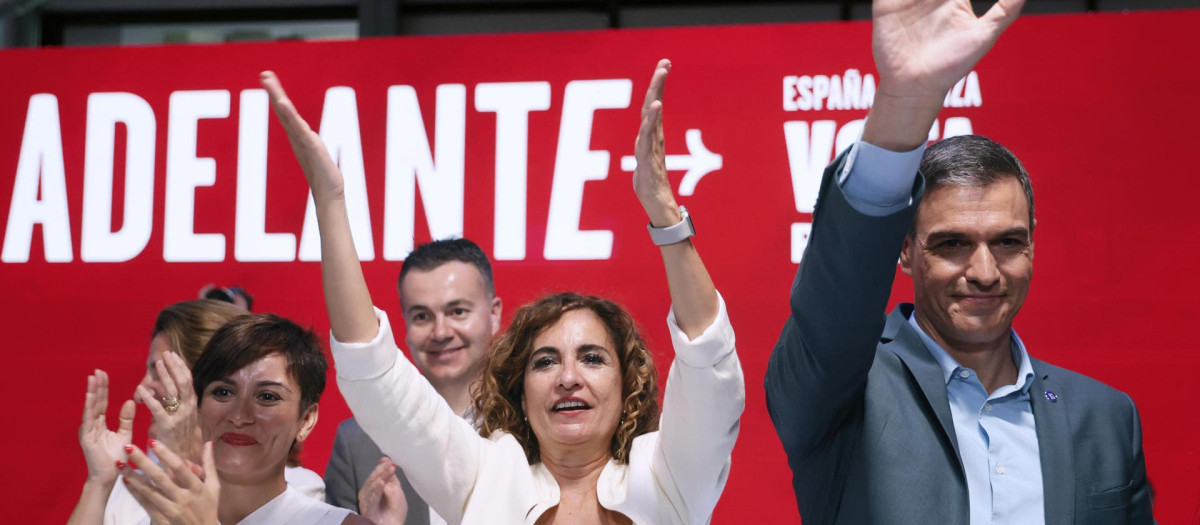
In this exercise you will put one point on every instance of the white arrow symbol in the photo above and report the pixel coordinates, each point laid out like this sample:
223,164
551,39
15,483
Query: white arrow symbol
698,162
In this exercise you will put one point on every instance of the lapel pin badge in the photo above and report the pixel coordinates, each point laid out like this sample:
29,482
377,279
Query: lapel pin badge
1051,396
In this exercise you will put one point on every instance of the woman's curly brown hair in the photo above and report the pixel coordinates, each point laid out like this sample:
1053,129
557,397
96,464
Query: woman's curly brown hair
497,400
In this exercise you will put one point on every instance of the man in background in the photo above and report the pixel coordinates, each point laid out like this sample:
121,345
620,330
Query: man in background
451,313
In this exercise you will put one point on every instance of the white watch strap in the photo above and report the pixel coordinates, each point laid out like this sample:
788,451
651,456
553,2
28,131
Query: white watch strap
679,232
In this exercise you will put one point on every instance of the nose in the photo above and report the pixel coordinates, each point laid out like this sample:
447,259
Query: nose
982,268
567,376
242,413
441,329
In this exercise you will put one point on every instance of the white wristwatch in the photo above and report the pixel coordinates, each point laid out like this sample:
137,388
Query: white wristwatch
681,231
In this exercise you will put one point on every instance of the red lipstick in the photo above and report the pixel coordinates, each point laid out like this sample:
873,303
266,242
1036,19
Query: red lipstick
238,440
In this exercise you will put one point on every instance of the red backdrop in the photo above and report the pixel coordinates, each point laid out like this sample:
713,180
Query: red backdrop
1095,105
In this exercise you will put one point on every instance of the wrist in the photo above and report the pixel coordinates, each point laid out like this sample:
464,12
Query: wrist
100,482
663,214
900,120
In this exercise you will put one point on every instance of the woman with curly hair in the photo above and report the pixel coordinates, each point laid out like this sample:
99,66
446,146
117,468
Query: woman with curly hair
569,430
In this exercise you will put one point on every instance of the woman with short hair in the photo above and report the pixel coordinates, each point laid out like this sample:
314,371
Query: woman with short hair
257,386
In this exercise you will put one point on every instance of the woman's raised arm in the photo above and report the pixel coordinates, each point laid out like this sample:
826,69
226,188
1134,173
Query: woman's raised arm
692,293
351,314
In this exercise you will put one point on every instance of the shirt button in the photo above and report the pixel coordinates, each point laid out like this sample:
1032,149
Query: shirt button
1000,469
987,407
964,374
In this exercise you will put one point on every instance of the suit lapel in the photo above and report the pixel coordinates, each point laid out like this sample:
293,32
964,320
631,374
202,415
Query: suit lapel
1054,445
907,345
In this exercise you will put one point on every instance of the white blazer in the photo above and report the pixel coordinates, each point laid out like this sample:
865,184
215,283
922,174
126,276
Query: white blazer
674,475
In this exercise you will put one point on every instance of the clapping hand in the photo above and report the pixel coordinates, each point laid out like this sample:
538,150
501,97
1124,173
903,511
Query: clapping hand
382,499
178,492
175,415
103,448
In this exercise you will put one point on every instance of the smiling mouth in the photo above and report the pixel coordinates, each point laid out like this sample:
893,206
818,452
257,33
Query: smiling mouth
570,406
238,440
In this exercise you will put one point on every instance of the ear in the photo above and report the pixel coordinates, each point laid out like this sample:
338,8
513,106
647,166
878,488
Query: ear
497,309
1032,229
307,422
905,256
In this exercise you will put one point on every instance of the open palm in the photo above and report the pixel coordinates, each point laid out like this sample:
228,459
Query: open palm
925,46
102,448
322,173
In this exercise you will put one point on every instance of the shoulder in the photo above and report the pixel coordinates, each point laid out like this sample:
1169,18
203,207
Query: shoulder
349,429
1085,392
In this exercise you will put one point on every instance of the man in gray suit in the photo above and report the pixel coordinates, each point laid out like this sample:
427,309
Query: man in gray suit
451,313
936,414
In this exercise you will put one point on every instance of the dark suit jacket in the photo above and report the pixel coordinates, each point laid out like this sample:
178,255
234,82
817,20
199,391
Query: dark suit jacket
353,458
861,405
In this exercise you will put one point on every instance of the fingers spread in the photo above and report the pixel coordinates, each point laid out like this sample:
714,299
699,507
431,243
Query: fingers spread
181,377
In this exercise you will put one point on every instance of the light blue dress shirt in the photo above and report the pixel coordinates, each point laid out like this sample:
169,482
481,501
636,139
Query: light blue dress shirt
997,437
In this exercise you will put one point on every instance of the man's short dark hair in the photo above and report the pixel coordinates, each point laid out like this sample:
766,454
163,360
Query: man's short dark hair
431,255
975,161
248,338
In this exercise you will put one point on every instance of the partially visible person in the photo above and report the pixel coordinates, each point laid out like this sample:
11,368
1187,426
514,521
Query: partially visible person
258,385
571,429
937,413
180,333
451,312
234,295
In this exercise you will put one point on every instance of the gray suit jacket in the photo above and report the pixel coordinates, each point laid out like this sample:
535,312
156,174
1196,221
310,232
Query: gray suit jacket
861,407
353,458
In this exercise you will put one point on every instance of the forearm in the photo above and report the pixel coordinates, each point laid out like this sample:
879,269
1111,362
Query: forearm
351,313
703,401
90,508
838,301
901,122
693,296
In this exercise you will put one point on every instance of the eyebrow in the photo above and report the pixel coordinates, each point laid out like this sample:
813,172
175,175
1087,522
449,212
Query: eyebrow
260,384
938,236
582,348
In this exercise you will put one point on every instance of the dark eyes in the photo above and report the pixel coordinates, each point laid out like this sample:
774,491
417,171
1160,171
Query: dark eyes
225,393
955,244
590,358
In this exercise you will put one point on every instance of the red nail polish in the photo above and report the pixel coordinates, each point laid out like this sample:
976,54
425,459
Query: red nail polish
129,449
152,443
120,465
133,465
